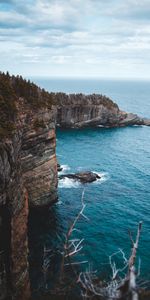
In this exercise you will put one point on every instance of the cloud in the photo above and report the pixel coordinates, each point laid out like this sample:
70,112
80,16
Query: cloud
6,1
67,36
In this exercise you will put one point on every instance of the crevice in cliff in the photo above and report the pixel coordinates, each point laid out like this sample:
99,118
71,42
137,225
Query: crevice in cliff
5,250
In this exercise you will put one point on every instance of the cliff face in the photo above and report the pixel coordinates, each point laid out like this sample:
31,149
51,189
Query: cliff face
28,177
78,110
81,110
13,227
38,157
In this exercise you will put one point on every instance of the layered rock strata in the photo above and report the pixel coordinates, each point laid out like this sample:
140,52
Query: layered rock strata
38,158
28,178
14,217
78,110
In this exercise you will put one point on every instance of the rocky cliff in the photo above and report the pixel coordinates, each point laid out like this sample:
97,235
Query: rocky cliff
28,174
28,166
38,157
78,110
13,225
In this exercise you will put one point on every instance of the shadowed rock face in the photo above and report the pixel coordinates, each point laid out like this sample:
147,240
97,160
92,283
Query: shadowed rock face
78,110
28,177
14,218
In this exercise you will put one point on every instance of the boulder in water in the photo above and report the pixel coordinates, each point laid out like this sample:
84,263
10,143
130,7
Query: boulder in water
59,168
83,177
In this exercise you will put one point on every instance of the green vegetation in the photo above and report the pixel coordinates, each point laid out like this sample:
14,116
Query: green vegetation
33,95
11,89
83,100
8,110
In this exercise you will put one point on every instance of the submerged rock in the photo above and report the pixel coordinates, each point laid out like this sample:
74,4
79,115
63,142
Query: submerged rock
83,177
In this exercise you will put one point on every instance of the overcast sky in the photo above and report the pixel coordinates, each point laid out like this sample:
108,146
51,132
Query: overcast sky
75,38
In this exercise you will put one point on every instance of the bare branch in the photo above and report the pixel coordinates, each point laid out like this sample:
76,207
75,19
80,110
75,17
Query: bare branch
124,257
73,246
77,263
76,248
135,247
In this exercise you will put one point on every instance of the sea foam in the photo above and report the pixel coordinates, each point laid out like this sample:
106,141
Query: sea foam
68,183
65,168
103,177
72,183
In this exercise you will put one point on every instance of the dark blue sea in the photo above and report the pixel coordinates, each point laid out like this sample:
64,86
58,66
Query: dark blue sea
121,198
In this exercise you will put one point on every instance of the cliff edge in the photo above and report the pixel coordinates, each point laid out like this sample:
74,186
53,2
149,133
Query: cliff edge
28,174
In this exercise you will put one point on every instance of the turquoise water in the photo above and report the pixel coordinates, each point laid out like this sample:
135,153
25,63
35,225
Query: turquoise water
118,201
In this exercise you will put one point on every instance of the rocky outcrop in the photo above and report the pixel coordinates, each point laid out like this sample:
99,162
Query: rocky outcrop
78,110
129,119
83,177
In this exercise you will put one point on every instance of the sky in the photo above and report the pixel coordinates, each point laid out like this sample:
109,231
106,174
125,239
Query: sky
76,38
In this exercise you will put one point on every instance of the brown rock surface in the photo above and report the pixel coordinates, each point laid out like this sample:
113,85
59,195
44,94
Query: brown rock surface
19,252
13,225
38,160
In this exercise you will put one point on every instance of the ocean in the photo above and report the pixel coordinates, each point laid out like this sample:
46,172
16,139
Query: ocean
115,203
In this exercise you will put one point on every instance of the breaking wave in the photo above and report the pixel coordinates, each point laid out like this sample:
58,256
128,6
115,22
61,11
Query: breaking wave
68,183
103,177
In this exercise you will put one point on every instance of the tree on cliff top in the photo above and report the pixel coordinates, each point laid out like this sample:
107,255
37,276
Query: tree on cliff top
11,89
